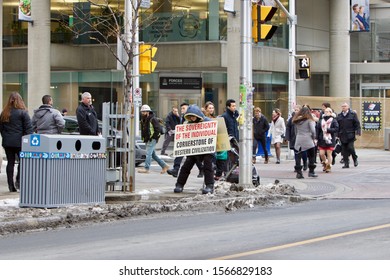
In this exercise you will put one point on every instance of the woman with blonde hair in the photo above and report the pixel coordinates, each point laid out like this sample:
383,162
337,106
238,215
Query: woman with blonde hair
14,123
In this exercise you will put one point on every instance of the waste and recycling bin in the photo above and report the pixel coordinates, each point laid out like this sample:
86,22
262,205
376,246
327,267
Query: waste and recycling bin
60,170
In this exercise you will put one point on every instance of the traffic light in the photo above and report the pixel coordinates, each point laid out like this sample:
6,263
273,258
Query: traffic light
260,15
146,62
304,68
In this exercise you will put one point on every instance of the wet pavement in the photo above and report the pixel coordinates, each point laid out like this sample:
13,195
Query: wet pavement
369,180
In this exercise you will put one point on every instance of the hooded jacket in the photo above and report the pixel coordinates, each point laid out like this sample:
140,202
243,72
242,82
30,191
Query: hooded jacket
150,128
47,120
194,110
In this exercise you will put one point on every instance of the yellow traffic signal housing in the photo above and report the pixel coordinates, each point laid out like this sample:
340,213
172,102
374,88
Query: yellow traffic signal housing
304,68
146,62
260,15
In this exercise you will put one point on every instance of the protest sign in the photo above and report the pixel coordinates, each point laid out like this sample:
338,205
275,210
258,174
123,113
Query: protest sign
195,139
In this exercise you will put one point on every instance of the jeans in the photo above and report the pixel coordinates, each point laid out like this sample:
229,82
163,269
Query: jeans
263,145
151,153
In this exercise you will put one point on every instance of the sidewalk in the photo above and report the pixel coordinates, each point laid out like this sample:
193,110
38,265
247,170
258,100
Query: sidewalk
368,180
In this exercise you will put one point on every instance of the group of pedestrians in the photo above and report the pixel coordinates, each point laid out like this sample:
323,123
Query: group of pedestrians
307,134
15,122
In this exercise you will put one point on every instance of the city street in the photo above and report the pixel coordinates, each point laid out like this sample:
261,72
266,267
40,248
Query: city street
346,218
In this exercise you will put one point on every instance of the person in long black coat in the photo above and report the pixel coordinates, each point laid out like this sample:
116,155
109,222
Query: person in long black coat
349,128
15,122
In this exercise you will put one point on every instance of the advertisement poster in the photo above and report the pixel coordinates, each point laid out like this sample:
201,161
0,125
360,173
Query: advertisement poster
25,10
360,15
195,139
371,115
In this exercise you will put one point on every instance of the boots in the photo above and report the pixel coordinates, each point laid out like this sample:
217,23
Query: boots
178,188
323,166
298,169
311,171
328,168
346,164
11,188
208,189
305,165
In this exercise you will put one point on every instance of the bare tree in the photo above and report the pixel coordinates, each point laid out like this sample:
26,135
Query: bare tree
112,27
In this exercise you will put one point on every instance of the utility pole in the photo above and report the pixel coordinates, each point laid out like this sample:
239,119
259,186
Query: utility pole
292,84
246,96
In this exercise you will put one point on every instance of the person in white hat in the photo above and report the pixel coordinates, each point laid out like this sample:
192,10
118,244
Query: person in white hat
150,133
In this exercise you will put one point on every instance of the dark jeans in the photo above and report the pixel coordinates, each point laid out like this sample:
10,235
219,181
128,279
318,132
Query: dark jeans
167,140
263,145
12,153
221,167
311,155
348,149
177,162
185,170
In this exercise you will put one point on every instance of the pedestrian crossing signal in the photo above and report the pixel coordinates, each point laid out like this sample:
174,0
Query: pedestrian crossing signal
304,68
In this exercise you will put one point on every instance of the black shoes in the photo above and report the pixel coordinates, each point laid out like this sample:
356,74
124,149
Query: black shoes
172,172
313,174
300,175
178,189
12,189
346,165
208,189
355,162
200,175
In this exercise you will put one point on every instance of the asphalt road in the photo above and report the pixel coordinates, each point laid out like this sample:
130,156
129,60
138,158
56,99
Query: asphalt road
322,229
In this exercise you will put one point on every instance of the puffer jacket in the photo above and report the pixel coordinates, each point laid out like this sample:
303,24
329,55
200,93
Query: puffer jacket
47,120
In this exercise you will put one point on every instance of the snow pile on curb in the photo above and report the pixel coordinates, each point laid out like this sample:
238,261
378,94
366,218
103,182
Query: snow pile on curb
14,219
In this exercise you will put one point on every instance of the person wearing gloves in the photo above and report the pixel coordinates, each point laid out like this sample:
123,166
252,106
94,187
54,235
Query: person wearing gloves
150,133
195,115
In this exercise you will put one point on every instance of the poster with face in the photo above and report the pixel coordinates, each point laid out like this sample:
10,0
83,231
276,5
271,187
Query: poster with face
360,15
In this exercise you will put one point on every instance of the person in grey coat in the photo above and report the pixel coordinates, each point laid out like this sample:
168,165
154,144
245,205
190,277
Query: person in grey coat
46,119
305,140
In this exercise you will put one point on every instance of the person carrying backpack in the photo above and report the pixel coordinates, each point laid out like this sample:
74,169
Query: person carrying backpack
150,133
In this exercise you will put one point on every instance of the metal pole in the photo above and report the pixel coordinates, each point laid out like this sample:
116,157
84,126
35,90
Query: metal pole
246,96
292,86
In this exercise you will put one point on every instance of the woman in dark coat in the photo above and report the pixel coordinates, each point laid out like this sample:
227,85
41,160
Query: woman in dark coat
14,123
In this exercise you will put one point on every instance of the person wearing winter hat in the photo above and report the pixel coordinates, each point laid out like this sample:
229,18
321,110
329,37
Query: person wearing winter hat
150,134
195,115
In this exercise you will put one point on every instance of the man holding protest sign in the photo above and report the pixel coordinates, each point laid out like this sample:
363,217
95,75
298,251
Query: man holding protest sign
196,139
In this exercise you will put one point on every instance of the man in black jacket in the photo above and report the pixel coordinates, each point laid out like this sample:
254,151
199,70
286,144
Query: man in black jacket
86,116
349,127
171,121
260,127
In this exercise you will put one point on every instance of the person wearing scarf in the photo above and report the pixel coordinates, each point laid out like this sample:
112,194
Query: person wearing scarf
327,130
277,131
